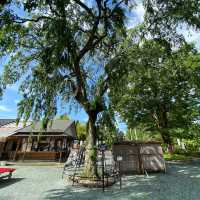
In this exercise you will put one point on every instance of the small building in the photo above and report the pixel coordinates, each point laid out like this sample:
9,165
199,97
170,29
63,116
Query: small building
33,143
138,157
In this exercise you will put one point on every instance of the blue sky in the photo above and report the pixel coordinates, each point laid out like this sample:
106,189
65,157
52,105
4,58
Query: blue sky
8,105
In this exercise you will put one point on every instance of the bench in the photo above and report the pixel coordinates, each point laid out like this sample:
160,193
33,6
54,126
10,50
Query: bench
6,170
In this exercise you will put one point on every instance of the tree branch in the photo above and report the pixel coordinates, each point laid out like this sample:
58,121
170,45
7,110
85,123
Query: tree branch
23,20
85,7
89,43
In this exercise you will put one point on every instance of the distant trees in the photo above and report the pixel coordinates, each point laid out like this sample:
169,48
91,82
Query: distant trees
64,117
81,129
141,132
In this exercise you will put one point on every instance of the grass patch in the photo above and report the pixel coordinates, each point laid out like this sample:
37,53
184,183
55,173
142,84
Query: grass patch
181,156
176,157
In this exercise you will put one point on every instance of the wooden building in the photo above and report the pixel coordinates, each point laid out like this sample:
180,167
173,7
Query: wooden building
138,157
33,143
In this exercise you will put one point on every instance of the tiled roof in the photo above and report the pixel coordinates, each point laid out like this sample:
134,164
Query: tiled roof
56,126
59,127
6,121
11,128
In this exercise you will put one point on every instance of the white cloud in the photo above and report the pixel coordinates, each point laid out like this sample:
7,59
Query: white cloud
26,24
192,36
13,87
85,119
140,12
136,16
4,108
16,101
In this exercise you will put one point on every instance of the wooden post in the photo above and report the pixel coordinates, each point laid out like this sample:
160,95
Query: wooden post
32,143
49,143
2,143
37,143
54,143
67,150
141,168
25,149
18,144
61,144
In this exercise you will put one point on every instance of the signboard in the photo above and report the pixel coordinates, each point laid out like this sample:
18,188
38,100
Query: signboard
102,147
119,158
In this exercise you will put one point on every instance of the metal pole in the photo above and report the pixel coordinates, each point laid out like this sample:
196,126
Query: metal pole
120,178
102,162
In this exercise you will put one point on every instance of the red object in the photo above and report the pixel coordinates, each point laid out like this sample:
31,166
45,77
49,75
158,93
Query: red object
5,169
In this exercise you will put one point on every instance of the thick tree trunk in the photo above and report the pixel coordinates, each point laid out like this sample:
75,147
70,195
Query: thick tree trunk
161,120
166,137
90,169
167,140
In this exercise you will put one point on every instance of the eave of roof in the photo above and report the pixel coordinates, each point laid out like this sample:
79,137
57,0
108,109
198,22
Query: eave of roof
60,126
6,121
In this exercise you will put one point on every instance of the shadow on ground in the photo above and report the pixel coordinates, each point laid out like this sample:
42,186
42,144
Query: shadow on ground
181,182
7,182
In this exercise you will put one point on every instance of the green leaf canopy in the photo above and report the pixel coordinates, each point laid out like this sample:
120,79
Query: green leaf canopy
161,88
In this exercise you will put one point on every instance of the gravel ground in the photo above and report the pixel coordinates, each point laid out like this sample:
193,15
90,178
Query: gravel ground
182,181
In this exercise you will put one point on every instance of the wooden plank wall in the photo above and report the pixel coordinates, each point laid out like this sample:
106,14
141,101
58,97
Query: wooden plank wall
140,157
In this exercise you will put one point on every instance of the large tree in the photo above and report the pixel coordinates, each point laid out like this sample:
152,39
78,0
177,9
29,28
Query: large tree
60,51
161,89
